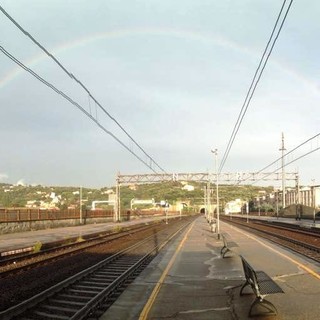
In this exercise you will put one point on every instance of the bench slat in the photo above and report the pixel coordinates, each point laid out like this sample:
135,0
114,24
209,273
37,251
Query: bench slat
269,287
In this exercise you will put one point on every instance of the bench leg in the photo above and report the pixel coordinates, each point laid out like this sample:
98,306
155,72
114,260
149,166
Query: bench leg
264,308
243,286
225,251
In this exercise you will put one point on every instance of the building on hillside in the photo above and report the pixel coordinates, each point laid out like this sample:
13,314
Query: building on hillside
188,187
308,196
32,204
233,206
264,198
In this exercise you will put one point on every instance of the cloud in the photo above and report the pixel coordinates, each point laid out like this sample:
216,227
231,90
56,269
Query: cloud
3,176
21,182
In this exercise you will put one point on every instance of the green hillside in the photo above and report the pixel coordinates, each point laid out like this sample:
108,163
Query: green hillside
64,197
172,192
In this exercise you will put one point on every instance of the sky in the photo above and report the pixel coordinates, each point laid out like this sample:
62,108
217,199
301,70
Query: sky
174,74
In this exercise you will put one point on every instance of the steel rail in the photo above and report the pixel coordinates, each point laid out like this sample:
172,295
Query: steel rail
65,244
81,310
71,248
276,236
309,231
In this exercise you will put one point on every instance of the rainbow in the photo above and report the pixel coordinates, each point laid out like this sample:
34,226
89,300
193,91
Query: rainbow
125,33
154,32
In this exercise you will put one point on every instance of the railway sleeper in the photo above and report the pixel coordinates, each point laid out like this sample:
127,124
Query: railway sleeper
24,318
58,302
99,283
87,288
81,292
105,273
127,261
113,275
73,297
117,266
58,309
102,279
48,316
119,269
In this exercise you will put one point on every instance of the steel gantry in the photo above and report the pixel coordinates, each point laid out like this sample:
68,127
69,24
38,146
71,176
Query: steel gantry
224,178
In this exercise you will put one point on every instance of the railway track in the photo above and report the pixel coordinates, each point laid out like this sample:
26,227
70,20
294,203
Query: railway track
20,262
304,242
90,292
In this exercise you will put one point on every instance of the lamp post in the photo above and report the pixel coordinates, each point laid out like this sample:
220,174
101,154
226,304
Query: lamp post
215,152
283,174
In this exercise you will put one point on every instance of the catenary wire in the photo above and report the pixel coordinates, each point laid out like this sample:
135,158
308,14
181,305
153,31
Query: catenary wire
247,101
294,149
294,160
285,155
72,76
51,86
252,82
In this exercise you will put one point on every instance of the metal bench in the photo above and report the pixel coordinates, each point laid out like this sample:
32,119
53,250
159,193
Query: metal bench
262,285
227,245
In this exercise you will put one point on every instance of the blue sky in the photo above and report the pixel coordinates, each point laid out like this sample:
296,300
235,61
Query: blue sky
173,73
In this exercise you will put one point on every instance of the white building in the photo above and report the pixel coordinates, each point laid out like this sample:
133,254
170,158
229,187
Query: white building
308,196
233,206
188,187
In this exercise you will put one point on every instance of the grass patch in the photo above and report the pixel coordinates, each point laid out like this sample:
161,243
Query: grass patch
37,247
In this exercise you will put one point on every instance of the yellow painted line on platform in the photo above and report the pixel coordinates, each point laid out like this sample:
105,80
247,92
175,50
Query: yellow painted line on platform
312,272
156,290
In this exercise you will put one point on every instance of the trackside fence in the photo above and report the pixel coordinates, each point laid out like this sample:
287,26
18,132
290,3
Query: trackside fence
25,214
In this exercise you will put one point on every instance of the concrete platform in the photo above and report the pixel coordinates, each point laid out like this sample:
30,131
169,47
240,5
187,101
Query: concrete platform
14,241
190,280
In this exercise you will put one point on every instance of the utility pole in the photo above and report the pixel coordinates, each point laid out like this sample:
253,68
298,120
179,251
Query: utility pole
117,201
283,173
215,152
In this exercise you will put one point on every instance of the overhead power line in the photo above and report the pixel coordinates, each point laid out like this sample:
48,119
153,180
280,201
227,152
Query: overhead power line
72,76
61,93
257,76
287,154
291,151
294,160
